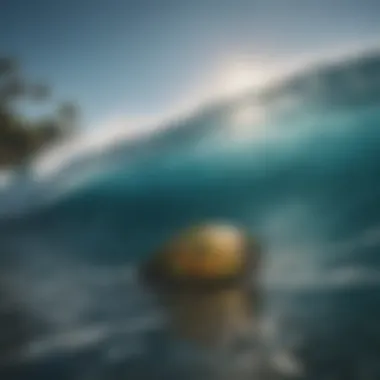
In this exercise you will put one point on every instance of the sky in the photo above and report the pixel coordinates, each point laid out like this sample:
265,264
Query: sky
130,60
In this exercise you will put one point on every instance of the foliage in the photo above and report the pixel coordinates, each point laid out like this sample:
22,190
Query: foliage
22,137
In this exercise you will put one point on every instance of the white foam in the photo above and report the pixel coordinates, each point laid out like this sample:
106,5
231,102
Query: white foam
286,363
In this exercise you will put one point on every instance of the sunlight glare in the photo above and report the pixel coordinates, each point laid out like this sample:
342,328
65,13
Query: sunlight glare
242,76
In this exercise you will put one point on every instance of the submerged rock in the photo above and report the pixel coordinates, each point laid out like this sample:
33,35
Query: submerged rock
204,255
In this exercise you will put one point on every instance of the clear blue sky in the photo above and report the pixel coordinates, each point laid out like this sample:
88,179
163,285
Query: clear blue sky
127,57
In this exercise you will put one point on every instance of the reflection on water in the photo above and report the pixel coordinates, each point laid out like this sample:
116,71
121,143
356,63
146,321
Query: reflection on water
211,318
213,334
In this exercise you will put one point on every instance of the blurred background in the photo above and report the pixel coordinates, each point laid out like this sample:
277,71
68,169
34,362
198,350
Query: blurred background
123,122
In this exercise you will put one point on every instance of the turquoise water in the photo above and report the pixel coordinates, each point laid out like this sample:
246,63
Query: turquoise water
297,165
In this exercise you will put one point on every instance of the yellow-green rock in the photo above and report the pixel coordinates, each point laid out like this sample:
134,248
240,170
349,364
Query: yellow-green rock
206,253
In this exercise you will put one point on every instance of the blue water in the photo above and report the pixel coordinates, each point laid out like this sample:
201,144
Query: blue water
297,165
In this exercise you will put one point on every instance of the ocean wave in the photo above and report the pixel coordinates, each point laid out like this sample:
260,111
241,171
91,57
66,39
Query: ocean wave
262,121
